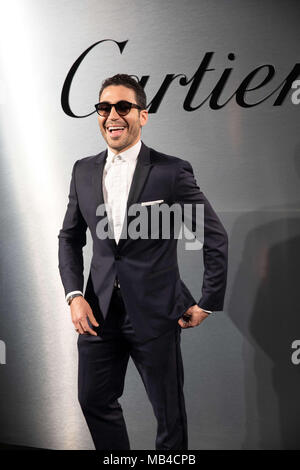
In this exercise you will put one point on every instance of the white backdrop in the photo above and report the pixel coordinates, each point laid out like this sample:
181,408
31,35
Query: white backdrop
241,386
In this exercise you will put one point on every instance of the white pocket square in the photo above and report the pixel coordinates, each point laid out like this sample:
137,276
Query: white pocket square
150,203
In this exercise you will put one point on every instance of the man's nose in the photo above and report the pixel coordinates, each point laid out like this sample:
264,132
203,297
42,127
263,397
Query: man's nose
113,114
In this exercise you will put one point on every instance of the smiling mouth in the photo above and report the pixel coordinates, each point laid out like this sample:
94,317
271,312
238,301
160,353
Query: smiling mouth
115,131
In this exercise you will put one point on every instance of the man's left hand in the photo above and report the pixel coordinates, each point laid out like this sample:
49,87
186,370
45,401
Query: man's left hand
196,316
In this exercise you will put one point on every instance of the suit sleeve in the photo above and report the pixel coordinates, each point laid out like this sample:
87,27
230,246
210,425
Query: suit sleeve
72,238
215,243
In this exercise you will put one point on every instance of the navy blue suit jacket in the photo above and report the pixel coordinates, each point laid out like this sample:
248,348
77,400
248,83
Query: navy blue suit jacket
154,295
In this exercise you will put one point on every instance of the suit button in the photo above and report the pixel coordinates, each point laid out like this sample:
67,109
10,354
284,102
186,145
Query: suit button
117,257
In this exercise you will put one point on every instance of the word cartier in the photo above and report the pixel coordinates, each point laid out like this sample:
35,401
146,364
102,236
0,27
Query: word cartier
256,79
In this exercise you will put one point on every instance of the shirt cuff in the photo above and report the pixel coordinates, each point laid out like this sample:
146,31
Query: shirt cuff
207,311
73,292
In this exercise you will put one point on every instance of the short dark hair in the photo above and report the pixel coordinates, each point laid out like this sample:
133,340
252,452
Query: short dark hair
129,82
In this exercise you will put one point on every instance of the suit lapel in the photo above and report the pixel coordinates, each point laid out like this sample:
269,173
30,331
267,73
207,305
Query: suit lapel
140,175
97,178
98,175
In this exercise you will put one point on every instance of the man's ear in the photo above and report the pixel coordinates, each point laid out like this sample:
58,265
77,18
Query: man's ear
143,117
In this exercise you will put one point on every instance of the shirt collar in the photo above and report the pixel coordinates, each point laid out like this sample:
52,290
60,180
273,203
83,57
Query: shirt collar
130,154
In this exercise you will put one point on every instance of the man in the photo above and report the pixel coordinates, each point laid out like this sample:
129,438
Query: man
135,303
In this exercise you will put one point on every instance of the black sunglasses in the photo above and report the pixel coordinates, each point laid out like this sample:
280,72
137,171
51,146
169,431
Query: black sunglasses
122,108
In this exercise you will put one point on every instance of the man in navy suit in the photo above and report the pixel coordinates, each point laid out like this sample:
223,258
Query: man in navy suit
135,304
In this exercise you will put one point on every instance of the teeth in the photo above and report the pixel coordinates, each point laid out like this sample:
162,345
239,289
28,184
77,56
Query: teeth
115,128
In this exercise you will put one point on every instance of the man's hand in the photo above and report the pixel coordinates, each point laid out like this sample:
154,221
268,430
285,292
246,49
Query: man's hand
196,316
80,310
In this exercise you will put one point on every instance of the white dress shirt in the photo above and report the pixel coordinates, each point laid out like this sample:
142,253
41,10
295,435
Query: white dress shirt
117,177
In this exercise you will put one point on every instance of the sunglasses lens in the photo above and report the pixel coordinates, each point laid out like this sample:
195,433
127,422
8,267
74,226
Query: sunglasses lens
104,109
123,108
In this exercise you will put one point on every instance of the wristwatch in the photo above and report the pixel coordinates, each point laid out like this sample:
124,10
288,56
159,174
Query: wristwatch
73,297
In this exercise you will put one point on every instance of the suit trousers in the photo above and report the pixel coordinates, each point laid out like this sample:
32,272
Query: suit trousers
102,366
